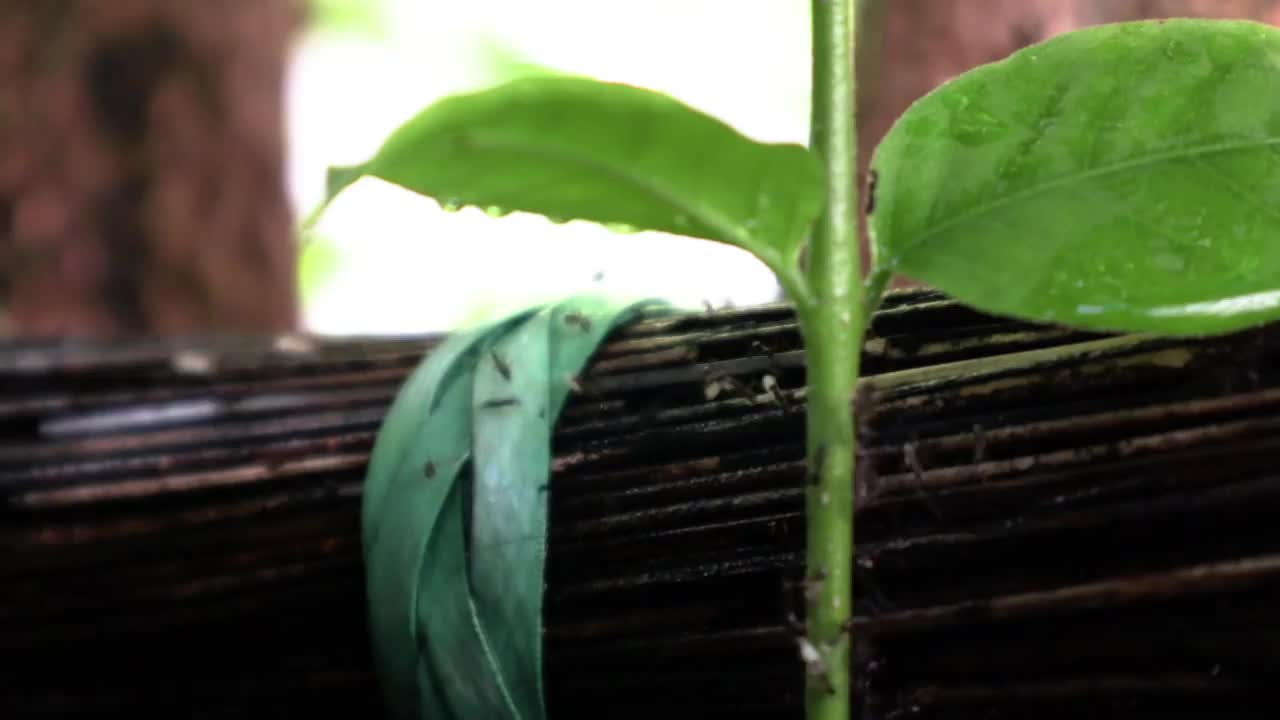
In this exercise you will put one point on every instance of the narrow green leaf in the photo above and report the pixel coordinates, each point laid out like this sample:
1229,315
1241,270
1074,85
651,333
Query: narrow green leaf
1124,177
572,148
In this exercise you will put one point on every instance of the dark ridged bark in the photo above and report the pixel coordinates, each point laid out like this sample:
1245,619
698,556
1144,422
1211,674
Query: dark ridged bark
1055,524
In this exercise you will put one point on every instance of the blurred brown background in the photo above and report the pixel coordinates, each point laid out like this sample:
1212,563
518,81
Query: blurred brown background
141,166
141,146
911,46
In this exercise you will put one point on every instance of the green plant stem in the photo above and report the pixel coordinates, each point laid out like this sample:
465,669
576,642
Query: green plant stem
832,323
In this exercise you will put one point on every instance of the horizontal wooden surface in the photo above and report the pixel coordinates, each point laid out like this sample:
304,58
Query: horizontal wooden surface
1053,524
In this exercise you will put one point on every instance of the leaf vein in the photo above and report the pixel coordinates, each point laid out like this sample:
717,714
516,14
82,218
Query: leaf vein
1093,173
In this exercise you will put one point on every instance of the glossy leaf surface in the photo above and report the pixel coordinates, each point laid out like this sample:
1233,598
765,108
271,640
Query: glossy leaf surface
573,148
1124,177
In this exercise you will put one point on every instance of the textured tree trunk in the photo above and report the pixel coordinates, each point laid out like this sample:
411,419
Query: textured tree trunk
141,166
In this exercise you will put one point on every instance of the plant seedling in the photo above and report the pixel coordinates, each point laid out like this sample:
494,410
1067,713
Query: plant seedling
1118,178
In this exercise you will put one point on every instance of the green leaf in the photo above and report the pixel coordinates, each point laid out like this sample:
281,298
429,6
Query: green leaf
572,148
364,19
1123,177
319,260
454,513
499,62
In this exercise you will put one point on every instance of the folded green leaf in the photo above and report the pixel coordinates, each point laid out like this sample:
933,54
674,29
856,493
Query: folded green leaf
454,516
1124,177
572,148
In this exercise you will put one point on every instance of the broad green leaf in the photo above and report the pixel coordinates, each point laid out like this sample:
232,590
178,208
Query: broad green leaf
1124,177
572,148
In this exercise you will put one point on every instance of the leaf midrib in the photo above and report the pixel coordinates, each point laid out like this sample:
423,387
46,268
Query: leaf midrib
1102,171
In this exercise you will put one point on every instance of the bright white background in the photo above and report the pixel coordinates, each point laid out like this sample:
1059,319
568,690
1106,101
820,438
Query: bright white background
385,261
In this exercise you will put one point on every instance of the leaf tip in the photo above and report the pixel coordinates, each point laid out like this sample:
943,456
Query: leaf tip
337,179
